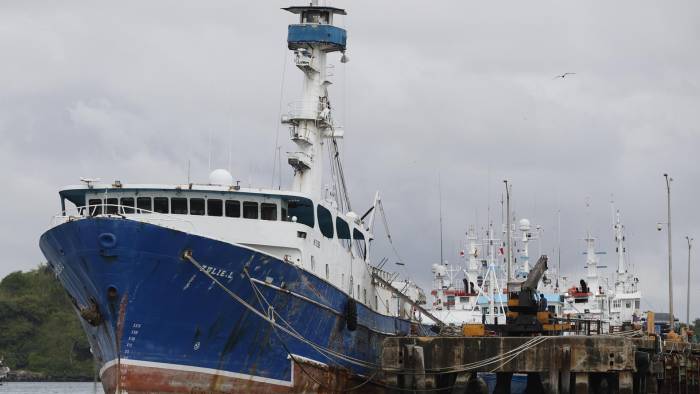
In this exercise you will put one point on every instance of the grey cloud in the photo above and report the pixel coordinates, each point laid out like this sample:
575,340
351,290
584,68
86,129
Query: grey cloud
464,90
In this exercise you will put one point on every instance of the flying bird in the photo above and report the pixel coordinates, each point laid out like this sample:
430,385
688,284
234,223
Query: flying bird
564,75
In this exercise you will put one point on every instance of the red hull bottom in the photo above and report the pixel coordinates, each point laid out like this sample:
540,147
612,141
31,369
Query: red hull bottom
313,378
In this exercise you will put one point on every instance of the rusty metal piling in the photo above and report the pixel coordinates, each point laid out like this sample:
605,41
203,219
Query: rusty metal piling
559,364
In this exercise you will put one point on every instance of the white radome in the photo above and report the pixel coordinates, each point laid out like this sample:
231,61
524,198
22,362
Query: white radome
220,177
524,225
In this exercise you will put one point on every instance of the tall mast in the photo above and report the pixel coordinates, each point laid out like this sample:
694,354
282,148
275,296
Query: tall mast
524,226
509,259
309,119
473,265
591,263
619,239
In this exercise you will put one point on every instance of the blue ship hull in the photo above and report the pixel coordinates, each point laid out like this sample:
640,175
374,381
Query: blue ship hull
158,324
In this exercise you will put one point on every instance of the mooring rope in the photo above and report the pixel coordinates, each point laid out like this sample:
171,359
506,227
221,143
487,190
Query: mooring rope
503,357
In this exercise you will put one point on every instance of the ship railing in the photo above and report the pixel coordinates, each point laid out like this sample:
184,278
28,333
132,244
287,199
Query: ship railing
119,210
318,110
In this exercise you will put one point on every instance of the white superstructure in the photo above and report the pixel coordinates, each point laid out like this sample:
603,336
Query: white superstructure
614,305
626,300
315,231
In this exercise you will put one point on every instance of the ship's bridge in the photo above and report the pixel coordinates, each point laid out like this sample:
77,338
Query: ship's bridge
316,27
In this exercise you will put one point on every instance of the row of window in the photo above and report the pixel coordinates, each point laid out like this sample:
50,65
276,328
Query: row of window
184,206
628,304
300,209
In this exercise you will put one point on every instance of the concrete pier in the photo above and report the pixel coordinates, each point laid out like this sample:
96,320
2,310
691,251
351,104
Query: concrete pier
557,364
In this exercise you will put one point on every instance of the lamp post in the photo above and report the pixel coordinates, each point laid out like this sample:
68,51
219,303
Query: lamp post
687,301
670,260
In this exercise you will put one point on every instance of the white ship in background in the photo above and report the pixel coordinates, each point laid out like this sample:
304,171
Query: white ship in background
474,290
616,306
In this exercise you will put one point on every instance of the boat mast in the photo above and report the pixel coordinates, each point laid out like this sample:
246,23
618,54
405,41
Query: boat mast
591,264
524,226
619,239
509,254
309,119
473,265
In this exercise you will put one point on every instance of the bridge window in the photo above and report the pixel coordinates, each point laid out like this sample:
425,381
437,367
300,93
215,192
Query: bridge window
95,206
160,205
112,206
268,211
144,204
196,206
315,17
360,245
215,207
233,209
300,208
343,231
325,221
178,205
250,210
127,204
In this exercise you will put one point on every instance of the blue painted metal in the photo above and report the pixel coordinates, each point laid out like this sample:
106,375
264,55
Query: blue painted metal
498,298
332,37
172,313
518,383
553,298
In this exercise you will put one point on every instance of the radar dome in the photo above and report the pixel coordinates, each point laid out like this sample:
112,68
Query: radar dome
524,225
352,216
220,177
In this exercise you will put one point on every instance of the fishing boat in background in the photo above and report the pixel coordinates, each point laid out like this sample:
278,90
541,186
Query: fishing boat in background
219,288
475,291
617,306
470,292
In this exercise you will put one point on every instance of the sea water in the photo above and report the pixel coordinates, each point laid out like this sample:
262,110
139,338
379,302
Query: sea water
51,388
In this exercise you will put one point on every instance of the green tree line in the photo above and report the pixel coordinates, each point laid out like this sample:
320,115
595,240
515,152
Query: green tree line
39,329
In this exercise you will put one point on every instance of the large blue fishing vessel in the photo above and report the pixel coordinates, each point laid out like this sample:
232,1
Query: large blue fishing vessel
219,288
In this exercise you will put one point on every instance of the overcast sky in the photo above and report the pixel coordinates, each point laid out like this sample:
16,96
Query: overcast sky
461,91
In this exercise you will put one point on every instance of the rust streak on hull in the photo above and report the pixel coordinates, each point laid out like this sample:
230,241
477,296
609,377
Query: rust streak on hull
312,379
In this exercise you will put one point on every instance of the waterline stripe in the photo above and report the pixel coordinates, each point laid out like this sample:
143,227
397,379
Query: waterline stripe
209,371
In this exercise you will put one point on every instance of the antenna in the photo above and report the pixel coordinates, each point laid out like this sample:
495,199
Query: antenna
508,241
488,195
188,171
209,150
276,159
612,208
279,167
558,245
230,152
